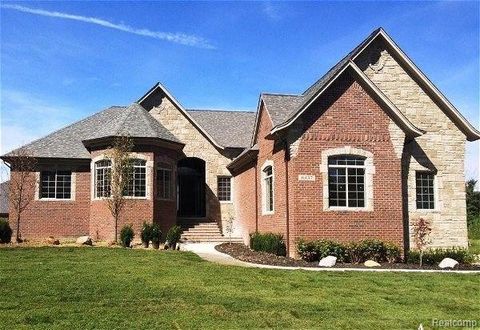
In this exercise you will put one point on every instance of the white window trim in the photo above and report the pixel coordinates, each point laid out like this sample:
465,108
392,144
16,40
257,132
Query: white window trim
264,188
38,178
231,189
369,172
133,155
436,200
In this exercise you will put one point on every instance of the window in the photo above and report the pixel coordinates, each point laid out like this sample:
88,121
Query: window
103,170
164,183
224,189
425,191
346,181
137,184
56,184
268,188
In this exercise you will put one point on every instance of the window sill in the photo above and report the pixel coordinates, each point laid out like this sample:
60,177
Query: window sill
426,210
125,197
226,202
56,200
268,212
348,209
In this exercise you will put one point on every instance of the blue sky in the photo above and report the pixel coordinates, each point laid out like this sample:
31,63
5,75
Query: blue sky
62,61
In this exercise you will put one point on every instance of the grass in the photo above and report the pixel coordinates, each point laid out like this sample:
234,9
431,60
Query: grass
86,288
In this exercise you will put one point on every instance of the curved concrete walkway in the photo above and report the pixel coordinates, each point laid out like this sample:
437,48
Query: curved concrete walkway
208,252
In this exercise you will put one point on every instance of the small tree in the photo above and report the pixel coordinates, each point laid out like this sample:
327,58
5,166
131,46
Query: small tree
120,177
22,167
421,235
229,228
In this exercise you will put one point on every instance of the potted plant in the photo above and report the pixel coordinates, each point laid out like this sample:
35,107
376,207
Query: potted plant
173,236
156,234
126,235
146,234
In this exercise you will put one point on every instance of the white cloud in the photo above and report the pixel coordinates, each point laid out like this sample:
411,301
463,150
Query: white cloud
179,38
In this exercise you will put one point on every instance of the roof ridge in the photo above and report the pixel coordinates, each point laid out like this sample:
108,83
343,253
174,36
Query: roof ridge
282,94
64,128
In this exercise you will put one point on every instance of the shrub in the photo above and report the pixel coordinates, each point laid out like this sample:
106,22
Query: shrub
268,242
5,231
146,234
434,256
173,236
354,252
126,235
155,234
474,228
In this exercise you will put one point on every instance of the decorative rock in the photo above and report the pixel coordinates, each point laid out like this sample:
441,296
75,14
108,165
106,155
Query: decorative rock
53,241
448,263
84,240
371,263
329,261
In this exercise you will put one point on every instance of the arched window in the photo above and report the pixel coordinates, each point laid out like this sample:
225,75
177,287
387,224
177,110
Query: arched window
346,181
137,185
268,197
103,170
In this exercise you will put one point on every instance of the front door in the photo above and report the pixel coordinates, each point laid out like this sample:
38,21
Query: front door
191,188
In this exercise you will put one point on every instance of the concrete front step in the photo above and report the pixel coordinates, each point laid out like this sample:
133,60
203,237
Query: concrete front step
222,239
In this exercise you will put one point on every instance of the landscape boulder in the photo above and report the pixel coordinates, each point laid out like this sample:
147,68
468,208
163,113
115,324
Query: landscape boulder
52,241
448,263
84,240
371,263
329,261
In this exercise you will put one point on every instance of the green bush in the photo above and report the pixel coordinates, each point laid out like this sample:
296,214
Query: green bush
434,256
155,233
126,235
5,231
474,227
354,252
146,234
173,236
268,242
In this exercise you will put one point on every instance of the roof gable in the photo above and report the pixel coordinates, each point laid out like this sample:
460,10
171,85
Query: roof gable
470,131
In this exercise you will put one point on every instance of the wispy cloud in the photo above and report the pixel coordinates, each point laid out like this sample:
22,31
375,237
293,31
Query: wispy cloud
271,11
179,38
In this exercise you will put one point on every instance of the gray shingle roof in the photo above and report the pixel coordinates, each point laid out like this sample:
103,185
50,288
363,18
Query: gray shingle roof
282,107
228,128
133,120
4,196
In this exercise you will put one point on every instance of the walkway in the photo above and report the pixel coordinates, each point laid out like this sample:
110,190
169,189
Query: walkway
207,252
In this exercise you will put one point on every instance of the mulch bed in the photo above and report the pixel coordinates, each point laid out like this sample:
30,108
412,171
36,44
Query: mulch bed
243,253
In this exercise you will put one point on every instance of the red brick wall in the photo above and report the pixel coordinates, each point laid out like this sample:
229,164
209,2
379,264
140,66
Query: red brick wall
245,201
348,111
56,218
268,151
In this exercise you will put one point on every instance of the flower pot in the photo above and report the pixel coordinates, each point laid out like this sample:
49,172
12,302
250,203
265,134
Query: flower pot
156,245
146,244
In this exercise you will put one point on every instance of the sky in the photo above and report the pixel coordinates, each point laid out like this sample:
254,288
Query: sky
62,61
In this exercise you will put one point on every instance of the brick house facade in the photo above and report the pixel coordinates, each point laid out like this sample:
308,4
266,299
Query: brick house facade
367,149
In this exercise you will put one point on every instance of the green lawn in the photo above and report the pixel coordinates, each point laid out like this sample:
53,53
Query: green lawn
474,246
105,288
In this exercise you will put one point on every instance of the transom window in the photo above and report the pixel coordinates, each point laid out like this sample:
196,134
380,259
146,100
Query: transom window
425,190
103,170
56,184
164,183
346,181
224,189
268,188
138,182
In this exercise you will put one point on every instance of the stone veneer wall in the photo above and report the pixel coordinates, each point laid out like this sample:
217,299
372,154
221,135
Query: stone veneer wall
197,145
442,148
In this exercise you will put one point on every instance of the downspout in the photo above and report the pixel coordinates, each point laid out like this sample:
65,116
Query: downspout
287,206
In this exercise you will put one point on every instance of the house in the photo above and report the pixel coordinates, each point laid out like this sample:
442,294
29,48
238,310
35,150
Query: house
363,152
